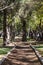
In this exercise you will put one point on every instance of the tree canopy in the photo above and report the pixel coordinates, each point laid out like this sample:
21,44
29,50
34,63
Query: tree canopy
31,10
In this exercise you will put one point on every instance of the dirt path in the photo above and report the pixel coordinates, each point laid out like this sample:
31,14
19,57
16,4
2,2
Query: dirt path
22,55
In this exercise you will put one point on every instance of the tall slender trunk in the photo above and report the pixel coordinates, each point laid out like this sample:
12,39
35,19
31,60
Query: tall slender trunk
8,34
4,28
12,26
11,32
24,38
40,24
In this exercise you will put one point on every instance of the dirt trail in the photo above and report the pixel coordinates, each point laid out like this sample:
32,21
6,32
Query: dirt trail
22,55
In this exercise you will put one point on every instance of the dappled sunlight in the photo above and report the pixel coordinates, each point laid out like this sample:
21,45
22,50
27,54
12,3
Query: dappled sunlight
21,32
19,56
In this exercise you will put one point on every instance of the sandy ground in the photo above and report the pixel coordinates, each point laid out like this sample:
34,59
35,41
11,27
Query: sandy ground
1,56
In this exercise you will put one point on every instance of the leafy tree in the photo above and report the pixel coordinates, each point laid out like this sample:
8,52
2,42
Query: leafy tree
29,11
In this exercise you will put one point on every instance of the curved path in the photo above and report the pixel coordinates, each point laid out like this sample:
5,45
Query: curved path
22,54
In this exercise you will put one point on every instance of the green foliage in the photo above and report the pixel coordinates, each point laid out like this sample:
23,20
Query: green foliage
18,25
31,10
4,50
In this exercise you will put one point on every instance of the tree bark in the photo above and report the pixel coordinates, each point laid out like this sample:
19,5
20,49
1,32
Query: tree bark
12,27
8,34
11,32
4,28
24,38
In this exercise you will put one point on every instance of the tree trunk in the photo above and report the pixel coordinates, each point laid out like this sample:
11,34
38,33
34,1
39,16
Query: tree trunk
11,32
4,29
12,27
40,24
8,34
24,30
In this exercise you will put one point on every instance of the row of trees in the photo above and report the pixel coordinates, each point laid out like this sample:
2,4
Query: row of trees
28,11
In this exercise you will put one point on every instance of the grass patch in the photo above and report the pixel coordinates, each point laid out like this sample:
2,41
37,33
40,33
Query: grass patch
40,49
4,50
